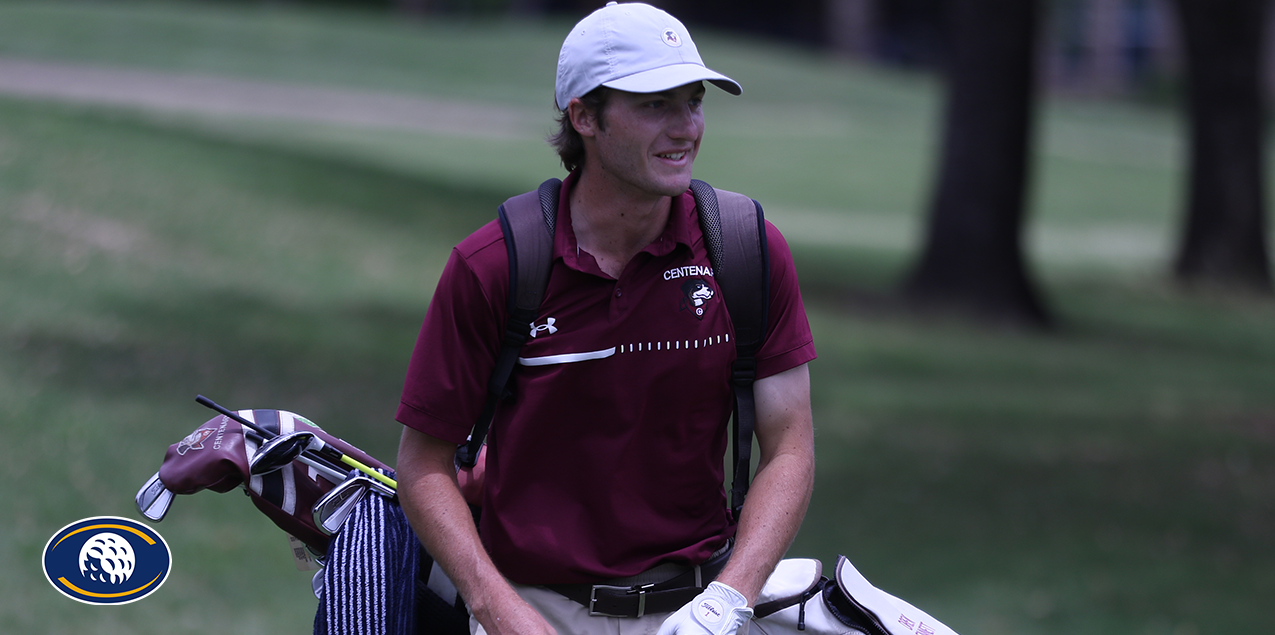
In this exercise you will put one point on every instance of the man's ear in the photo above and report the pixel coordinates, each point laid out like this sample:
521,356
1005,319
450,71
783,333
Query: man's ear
583,120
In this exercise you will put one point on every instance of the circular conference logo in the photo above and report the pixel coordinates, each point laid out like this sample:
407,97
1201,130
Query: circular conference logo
106,560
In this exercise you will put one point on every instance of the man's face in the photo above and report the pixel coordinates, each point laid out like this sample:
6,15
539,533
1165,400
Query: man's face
650,140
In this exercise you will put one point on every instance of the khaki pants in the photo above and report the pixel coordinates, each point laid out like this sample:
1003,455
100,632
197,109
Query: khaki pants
571,618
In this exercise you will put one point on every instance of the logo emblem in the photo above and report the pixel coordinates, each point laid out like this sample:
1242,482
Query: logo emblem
547,327
193,441
106,560
709,611
671,38
695,294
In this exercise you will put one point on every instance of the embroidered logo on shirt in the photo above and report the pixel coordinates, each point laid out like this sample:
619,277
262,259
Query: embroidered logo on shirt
695,294
547,327
688,270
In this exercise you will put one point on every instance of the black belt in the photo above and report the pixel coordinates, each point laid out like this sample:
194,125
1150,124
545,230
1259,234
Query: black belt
605,600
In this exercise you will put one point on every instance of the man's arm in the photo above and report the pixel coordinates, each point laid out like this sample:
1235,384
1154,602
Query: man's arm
440,517
781,489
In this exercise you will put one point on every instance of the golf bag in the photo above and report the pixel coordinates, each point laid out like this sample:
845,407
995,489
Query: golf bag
215,457
376,578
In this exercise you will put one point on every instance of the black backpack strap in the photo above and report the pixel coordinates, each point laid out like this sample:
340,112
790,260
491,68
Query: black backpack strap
527,221
735,232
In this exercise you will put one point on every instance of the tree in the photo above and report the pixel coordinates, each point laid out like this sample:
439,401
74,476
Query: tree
1223,242
972,260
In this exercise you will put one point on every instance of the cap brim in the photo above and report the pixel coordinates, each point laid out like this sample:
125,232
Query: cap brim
665,78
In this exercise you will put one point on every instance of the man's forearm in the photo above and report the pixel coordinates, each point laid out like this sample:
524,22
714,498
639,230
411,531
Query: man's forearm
781,490
772,514
442,521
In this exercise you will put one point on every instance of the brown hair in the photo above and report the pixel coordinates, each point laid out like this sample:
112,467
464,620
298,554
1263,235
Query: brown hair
567,140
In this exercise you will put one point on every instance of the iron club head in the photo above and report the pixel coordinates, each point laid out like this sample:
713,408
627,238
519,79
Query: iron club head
335,506
153,500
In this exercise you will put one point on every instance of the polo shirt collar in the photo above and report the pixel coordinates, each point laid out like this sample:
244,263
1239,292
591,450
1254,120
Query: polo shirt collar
682,229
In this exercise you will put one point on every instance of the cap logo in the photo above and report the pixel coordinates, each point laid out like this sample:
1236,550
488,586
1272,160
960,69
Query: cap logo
671,38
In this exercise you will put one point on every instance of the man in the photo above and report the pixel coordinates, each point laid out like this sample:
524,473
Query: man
606,465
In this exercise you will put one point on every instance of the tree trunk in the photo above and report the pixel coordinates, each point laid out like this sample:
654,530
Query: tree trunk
973,258
1224,236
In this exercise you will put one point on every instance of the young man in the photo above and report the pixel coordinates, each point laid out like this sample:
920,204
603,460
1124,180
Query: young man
606,466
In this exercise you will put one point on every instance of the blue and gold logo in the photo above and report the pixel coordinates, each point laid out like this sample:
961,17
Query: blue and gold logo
106,560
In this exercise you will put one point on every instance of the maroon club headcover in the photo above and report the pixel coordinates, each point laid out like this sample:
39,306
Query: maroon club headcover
215,456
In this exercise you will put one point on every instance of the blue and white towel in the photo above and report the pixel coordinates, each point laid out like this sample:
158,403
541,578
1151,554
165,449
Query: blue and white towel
377,580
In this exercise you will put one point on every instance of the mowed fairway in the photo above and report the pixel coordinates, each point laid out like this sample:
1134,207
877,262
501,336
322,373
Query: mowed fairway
1115,476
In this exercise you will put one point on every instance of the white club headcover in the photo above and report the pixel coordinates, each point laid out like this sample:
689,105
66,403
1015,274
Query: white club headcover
898,617
813,616
791,579
795,580
719,610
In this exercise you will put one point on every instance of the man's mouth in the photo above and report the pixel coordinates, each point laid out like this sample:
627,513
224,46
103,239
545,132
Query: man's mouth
672,156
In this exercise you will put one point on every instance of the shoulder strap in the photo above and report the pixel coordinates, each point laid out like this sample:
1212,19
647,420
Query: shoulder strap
735,232
527,221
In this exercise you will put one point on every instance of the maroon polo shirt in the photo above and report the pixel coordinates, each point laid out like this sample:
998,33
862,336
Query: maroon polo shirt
609,458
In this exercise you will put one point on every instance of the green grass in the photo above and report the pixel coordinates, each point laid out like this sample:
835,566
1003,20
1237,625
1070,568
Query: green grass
1112,477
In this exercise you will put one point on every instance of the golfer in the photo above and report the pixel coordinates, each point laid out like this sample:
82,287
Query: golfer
604,470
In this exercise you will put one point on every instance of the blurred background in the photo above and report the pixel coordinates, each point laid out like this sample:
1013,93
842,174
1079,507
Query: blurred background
1031,236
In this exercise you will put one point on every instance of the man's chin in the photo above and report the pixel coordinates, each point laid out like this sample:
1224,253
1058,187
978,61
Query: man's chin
676,185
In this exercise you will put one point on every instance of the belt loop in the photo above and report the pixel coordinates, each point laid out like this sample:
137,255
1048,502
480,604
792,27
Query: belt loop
641,592
699,580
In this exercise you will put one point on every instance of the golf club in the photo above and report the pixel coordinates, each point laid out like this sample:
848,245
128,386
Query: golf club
313,444
153,500
282,449
278,452
330,512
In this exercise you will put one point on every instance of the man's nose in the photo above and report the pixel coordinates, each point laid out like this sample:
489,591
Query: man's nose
686,123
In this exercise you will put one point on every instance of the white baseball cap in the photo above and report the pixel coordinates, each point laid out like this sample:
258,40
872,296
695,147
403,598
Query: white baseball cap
632,47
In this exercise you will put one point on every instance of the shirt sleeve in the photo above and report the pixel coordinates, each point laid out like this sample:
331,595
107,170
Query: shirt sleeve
788,342
446,383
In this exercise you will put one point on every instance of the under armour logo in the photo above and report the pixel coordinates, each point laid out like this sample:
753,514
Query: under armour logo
547,326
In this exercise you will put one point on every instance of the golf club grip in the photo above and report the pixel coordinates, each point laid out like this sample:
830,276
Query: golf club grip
209,403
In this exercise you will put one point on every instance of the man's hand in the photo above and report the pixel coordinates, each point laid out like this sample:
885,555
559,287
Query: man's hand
719,610
513,616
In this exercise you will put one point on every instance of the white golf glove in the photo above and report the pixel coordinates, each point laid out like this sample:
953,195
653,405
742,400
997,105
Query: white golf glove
719,610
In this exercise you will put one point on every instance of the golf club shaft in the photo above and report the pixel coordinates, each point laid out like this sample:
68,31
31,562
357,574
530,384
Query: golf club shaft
329,468
204,401
322,468
369,471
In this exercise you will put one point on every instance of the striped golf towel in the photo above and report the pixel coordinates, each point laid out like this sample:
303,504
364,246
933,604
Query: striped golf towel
378,580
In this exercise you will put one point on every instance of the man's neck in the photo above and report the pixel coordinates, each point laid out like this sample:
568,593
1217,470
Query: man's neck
614,223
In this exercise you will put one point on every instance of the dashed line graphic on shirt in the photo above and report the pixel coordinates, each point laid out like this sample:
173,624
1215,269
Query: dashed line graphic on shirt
634,347
673,345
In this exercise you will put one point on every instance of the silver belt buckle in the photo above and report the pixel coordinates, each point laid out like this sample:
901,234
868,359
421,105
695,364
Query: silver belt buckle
641,592
593,600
